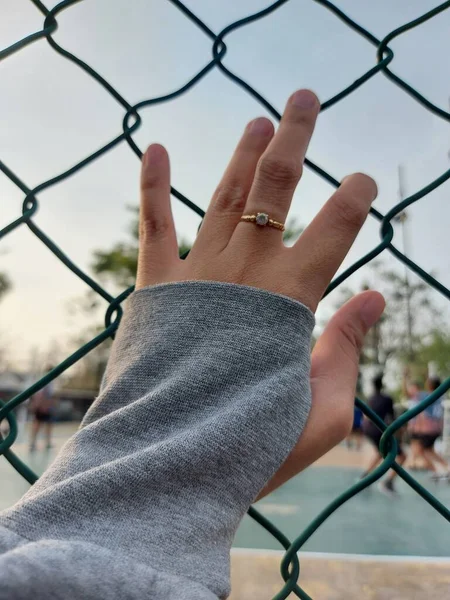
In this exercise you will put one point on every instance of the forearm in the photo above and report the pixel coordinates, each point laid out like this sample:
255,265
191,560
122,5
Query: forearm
205,394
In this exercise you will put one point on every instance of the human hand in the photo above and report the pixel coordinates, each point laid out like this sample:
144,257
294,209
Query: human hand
261,177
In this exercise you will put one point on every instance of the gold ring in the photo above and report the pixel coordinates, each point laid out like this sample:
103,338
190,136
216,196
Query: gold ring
263,220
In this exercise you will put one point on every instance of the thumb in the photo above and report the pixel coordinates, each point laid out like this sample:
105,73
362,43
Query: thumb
334,370
335,358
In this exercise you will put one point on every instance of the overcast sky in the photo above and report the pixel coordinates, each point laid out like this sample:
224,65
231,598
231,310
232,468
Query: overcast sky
53,115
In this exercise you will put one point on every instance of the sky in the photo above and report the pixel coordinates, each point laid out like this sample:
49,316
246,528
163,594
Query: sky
53,115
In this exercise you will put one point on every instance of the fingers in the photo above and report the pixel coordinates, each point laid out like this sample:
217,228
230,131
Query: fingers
158,247
229,199
334,371
325,242
280,167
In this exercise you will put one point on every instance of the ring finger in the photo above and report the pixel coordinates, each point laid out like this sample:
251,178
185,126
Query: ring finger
230,197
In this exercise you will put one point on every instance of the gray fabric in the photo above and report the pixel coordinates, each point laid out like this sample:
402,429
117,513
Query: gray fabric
205,393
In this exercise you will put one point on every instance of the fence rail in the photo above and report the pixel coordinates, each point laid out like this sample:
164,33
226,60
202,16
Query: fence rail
385,60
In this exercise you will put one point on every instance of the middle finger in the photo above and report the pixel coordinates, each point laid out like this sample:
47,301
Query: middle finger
280,167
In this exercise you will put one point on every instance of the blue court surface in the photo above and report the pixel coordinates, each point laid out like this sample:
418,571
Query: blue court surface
370,523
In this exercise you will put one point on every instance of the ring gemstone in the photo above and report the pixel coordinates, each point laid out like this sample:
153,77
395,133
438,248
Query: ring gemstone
262,219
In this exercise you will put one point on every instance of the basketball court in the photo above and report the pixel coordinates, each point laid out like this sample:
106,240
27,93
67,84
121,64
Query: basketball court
375,546
371,523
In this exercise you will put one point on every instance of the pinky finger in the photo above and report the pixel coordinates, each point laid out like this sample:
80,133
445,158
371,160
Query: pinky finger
327,239
158,249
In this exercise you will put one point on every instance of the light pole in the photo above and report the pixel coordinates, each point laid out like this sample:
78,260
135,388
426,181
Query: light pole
401,218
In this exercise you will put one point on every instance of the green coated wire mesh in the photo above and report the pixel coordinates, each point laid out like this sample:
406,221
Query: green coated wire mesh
290,569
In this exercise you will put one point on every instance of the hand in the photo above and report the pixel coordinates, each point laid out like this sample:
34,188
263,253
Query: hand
334,371
261,177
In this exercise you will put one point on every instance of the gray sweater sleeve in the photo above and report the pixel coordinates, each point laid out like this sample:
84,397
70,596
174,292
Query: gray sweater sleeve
205,393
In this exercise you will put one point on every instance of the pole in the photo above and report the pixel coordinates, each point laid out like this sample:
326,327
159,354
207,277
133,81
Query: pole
402,217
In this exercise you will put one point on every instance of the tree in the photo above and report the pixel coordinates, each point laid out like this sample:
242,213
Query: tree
435,349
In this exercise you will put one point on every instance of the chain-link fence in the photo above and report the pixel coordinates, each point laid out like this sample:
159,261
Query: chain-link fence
290,569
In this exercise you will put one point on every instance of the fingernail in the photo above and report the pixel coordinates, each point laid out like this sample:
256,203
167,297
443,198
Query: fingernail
372,309
304,99
260,126
154,154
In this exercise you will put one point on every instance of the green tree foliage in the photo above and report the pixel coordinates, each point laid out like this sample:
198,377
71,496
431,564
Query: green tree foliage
436,349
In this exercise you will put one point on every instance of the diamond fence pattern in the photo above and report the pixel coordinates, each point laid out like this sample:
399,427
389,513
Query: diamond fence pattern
290,569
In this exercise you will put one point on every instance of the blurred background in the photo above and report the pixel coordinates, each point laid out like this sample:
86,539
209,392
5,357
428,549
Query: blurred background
54,114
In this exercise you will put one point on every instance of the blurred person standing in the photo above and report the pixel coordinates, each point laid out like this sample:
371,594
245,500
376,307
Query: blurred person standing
414,393
42,407
383,406
425,430
4,427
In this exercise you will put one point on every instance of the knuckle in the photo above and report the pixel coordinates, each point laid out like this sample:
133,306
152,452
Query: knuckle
149,182
229,196
351,211
351,340
280,172
154,226
304,120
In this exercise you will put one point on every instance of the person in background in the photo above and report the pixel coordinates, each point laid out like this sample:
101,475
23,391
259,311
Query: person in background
425,430
4,428
413,391
383,406
42,407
